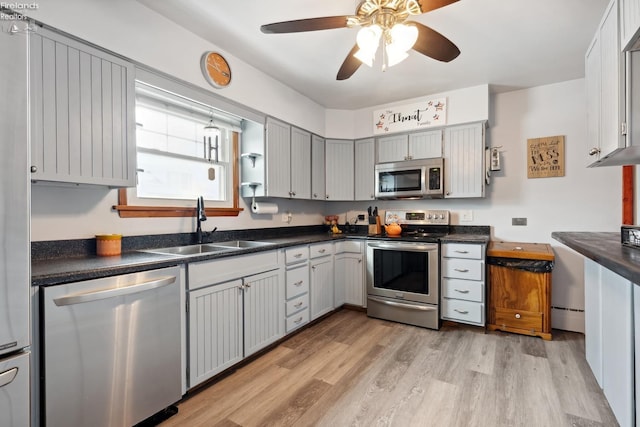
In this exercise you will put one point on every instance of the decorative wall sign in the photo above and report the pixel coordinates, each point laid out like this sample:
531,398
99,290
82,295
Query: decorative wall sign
545,157
429,113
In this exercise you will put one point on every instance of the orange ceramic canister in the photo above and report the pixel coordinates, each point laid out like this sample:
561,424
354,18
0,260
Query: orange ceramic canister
108,244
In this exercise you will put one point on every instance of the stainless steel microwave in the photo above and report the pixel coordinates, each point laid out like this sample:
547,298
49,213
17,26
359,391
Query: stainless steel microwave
416,179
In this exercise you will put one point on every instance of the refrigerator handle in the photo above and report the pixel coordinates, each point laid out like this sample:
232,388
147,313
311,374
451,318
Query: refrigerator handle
113,292
7,377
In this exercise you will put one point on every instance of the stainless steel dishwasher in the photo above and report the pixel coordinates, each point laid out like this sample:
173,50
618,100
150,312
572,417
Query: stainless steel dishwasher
111,349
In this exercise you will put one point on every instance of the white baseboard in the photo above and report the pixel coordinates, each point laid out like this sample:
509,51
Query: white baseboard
567,320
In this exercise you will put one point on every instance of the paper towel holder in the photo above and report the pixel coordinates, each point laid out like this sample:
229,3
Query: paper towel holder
253,186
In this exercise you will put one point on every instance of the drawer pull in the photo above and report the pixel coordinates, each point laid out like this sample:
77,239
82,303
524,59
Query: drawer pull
461,252
322,251
462,291
518,315
462,270
460,311
297,255
298,283
298,305
298,320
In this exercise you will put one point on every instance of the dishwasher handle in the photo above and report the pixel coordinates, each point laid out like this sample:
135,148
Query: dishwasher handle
7,377
114,292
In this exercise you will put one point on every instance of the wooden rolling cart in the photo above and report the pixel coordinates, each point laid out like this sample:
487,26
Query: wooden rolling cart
520,288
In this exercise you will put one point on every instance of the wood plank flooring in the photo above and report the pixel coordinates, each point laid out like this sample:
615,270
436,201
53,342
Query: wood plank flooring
352,370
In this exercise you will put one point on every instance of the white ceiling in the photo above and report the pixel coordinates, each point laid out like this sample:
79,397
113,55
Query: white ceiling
508,44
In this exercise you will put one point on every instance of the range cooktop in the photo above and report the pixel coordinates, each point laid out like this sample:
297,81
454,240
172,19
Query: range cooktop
421,225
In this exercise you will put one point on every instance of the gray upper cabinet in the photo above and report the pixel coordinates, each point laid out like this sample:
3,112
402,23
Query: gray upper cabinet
317,168
339,169
419,145
365,159
629,24
288,161
82,113
463,152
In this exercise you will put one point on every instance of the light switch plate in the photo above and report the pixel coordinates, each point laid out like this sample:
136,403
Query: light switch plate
518,221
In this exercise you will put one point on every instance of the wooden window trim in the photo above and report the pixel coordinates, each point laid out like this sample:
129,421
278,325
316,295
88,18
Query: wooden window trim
129,211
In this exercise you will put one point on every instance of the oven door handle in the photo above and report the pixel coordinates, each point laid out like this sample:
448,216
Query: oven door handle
403,305
406,247
113,292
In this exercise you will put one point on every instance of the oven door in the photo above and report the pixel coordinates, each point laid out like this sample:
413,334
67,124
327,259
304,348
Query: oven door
403,271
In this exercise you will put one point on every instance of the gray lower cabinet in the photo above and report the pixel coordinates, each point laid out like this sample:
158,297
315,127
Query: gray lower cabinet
82,113
321,279
232,319
349,273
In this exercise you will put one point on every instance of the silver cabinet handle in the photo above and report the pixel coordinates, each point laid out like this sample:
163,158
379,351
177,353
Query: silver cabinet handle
462,270
594,151
114,292
462,291
315,195
322,251
248,285
7,377
297,255
461,311
461,252
298,283
298,305
298,320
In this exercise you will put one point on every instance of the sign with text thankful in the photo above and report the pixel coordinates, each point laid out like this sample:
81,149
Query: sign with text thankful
429,113
545,157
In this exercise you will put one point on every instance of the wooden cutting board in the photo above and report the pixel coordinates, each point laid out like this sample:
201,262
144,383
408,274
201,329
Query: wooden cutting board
538,251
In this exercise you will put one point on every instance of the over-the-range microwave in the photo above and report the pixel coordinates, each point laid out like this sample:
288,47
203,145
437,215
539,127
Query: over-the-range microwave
416,179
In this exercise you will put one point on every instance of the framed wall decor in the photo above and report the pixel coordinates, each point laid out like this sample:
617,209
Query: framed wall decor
545,157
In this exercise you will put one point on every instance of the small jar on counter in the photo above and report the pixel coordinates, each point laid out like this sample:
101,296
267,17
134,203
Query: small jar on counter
108,244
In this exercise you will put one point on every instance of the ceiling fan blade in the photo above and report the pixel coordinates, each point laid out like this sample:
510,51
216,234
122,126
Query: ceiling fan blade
311,24
433,44
349,66
429,5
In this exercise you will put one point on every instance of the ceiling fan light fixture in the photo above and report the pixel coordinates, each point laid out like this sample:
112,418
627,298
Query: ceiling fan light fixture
403,37
395,56
368,38
365,57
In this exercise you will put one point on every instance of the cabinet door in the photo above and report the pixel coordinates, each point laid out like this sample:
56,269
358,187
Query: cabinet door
278,159
321,286
317,168
629,22
610,84
593,317
365,169
263,310
349,279
300,164
592,79
392,148
82,113
464,161
215,330
339,169
425,145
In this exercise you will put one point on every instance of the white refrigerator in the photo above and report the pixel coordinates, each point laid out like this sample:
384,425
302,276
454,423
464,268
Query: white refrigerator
15,198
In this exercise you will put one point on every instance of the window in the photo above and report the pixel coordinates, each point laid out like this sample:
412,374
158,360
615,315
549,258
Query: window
185,149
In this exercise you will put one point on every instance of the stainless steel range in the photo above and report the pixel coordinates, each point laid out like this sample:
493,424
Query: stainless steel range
403,276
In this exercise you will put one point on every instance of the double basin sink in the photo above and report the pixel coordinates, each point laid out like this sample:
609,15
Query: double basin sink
208,248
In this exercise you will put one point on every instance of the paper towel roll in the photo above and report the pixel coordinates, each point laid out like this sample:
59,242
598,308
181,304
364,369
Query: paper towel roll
264,208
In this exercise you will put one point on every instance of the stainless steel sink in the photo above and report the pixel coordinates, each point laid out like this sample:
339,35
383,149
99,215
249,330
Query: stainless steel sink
240,244
191,250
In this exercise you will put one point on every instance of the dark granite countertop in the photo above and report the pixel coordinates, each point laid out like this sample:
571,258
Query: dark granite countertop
605,249
66,266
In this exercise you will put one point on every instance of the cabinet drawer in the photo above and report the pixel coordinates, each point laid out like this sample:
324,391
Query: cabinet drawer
469,290
297,320
463,268
297,281
348,246
527,320
462,250
206,273
465,311
298,303
296,254
322,249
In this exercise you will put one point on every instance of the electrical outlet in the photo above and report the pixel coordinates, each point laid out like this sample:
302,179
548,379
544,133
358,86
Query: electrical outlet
466,216
518,221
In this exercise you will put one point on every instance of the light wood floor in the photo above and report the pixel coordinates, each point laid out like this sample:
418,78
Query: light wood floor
351,370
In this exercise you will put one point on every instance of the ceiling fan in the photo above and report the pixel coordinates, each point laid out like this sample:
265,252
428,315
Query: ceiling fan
384,20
